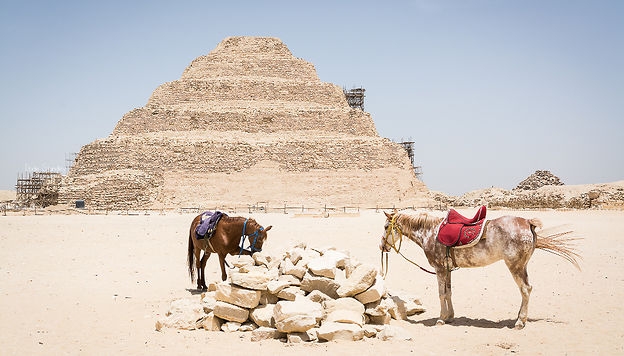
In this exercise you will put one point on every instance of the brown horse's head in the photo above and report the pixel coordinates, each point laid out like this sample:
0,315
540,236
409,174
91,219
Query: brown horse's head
256,235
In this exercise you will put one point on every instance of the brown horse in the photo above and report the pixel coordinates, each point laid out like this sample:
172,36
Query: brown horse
227,238
509,238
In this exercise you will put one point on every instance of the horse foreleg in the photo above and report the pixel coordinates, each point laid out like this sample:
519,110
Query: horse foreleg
521,277
447,314
222,263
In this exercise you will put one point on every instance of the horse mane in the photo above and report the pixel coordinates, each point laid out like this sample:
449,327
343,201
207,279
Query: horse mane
422,221
226,217
251,222
233,219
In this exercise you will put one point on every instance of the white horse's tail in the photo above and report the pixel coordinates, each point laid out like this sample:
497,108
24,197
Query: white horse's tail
558,240
535,223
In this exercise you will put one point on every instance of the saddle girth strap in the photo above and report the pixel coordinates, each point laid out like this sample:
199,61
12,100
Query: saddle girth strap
451,264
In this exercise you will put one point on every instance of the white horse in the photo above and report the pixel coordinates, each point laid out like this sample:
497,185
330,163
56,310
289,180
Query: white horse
509,238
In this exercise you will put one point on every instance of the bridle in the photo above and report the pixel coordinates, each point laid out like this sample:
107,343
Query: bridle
393,228
255,235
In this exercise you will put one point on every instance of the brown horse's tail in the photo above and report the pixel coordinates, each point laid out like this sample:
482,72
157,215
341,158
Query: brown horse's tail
558,240
191,257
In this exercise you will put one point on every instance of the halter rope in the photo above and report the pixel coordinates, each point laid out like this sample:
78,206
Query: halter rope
394,228
255,235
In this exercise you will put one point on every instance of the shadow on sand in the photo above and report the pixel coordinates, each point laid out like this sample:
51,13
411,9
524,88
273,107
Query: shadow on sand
477,323
194,291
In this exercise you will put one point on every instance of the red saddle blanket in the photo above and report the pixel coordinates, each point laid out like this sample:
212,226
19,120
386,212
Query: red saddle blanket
457,230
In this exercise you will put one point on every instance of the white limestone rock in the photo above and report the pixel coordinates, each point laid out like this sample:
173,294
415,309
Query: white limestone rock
242,297
344,310
230,326
393,332
324,267
263,315
288,268
183,314
374,293
242,261
290,293
328,286
211,323
254,278
208,301
266,333
230,312
318,296
299,315
331,331
275,286
396,307
411,303
360,280
339,259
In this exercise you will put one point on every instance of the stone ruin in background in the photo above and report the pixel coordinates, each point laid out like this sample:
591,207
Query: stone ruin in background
246,123
543,190
538,180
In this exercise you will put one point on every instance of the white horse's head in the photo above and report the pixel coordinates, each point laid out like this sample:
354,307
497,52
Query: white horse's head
391,237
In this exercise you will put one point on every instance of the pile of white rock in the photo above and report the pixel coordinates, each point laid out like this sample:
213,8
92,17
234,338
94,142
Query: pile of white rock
305,294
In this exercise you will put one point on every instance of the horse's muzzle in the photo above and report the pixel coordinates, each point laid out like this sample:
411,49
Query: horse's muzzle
383,246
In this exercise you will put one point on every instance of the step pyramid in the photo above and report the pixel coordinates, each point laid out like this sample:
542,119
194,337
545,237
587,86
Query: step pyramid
246,123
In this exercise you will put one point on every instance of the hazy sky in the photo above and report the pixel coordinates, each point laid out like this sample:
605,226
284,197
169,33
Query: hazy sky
489,90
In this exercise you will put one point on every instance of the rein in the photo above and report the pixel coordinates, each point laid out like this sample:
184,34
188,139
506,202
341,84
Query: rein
393,228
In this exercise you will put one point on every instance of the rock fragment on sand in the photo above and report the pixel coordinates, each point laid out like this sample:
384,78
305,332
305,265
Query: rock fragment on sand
183,314
391,332
211,323
331,331
266,333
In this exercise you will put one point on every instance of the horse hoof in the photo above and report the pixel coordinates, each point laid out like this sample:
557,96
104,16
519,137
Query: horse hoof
440,322
519,325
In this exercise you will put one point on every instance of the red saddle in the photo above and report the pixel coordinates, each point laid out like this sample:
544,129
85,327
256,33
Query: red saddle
457,230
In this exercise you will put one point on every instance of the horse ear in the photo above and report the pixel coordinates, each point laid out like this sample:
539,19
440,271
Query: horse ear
268,228
389,216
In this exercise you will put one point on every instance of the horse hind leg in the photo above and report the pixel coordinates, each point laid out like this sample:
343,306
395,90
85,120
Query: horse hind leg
202,272
200,264
521,277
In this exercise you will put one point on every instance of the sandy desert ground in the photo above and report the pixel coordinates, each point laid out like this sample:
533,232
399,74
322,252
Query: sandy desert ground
96,284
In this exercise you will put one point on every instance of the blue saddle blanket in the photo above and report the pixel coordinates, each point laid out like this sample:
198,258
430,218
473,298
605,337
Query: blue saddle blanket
208,224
